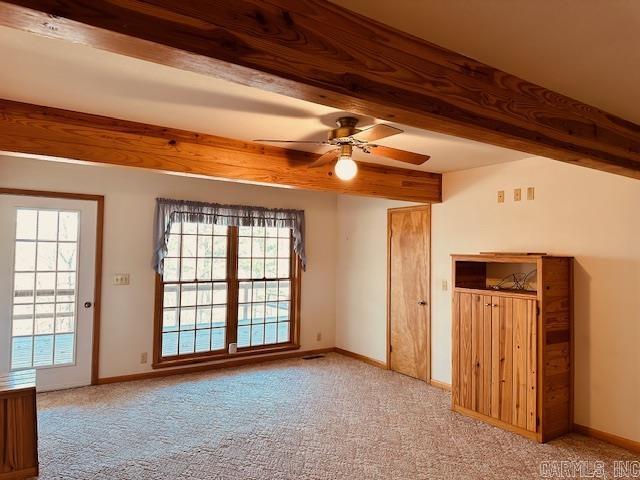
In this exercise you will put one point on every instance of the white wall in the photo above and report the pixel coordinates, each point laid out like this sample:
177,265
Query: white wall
127,312
361,275
590,215
584,213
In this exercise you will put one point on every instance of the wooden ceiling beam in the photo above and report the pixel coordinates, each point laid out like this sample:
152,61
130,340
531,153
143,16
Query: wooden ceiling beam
49,132
317,51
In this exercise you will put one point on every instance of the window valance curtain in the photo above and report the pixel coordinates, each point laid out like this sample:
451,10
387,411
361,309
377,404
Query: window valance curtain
169,211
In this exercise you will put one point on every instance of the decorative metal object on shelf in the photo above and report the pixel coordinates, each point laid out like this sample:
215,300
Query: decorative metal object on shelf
519,281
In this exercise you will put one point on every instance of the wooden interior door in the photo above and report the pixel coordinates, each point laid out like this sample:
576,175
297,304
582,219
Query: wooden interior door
409,231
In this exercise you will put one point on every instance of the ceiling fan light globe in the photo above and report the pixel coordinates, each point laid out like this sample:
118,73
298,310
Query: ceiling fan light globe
346,168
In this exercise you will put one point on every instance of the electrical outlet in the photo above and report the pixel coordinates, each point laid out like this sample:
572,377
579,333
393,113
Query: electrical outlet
517,194
121,279
500,196
143,357
531,193
445,285
318,336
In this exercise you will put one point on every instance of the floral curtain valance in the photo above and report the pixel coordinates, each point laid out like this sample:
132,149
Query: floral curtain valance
169,211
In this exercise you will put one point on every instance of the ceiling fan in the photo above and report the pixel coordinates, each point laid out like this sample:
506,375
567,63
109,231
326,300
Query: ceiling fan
346,137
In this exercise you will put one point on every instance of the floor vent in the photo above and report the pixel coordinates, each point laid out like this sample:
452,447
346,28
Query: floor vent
312,357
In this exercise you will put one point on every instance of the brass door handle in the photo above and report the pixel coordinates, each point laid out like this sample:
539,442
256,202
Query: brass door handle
422,302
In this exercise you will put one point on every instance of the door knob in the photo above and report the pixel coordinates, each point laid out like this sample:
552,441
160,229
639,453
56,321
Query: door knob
422,302
87,304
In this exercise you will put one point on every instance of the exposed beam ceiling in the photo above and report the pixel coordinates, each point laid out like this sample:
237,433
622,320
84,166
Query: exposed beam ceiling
557,44
320,52
36,130
55,73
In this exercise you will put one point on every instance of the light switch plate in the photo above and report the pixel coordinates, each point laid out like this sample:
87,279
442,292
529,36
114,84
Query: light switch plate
531,193
121,279
500,196
445,285
517,194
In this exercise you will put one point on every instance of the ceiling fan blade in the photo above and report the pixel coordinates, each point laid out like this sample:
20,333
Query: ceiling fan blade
325,158
399,155
376,132
293,141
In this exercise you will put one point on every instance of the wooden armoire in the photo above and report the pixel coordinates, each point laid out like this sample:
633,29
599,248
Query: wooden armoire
513,341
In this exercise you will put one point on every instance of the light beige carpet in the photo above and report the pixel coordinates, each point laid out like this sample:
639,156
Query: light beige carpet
329,418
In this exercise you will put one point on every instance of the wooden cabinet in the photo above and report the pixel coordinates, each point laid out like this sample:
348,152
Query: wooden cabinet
18,426
512,346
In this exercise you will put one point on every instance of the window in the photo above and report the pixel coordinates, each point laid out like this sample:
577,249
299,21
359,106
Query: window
264,299
195,290
44,288
223,285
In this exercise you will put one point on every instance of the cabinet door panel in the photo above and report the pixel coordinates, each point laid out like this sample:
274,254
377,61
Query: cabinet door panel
481,353
490,310
502,359
496,362
524,360
477,314
465,367
455,345
532,365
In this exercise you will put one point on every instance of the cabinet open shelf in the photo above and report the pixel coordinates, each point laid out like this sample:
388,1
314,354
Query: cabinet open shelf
487,274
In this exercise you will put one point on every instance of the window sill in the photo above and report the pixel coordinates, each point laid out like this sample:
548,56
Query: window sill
245,352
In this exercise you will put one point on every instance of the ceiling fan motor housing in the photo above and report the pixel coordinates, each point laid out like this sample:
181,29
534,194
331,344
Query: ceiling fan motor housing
346,128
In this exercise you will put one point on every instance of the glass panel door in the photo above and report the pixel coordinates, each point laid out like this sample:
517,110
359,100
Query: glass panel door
47,279
44,288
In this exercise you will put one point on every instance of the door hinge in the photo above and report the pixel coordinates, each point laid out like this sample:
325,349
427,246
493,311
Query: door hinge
537,309
390,348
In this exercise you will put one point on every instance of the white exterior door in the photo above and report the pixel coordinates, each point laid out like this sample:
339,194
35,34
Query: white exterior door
47,279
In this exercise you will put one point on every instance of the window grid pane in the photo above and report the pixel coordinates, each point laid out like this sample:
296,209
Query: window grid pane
195,290
44,288
264,253
264,295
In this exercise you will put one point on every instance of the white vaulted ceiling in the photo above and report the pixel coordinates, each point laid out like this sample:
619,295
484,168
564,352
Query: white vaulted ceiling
59,74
